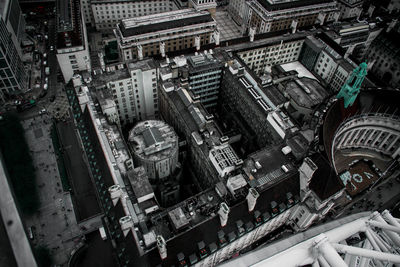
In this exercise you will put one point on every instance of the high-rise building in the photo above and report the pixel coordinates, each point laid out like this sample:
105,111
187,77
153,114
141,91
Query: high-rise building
205,74
161,33
72,43
13,76
133,87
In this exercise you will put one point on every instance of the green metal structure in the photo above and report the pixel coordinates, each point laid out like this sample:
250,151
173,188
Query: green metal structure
351,88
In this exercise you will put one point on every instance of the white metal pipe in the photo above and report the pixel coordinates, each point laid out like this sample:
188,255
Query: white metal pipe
328,252
378,241
367,253
372,240
390,219
323,262
389,230
315,263
364,261
385,226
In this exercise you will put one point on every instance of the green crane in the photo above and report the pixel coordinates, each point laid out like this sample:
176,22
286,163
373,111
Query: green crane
351,88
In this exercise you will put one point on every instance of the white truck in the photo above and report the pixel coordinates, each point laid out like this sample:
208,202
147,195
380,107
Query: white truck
47,71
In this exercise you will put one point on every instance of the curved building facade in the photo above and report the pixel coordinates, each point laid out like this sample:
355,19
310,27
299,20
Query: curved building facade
154,145
371,127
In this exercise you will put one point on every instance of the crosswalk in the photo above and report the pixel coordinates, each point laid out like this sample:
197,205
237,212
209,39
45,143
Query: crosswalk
59,108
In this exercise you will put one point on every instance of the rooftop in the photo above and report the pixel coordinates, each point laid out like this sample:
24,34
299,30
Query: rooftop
140,184
69,27
146,64
306,92
264,167
153,139
163,21
201,62
114,72
273,5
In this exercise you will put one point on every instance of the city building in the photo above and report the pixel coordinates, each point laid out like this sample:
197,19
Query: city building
384,55
87,11
262,16
350,8
237,9
210,154
133,88
200,74
327,60
154,145
164,32
239,202
205,75
107,13
260,59
209,5
245,101
72,43
13,75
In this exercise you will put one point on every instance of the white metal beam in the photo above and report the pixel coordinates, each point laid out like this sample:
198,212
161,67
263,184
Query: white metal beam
367,253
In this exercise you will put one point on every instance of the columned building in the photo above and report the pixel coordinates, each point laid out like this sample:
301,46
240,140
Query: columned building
140,37
107,13
263,16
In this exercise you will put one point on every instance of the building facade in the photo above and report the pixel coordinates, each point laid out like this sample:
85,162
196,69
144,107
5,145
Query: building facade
13,75
262,58
106,14
205,75
270,16
165,32
384,54
72,43
350,8
209,5
327,63
133,87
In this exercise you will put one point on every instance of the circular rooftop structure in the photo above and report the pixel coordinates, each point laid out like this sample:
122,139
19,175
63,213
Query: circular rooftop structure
364,136
154,145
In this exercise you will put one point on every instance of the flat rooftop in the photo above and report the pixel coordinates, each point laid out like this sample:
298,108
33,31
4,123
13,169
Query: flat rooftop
301,70
264,167
143,65
69,24
273,5
306,92
163,21
153,140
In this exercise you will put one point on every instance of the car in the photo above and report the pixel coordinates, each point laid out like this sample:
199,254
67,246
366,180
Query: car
44,63
45,86
46,37
51,48
46,80
42,111
44,55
